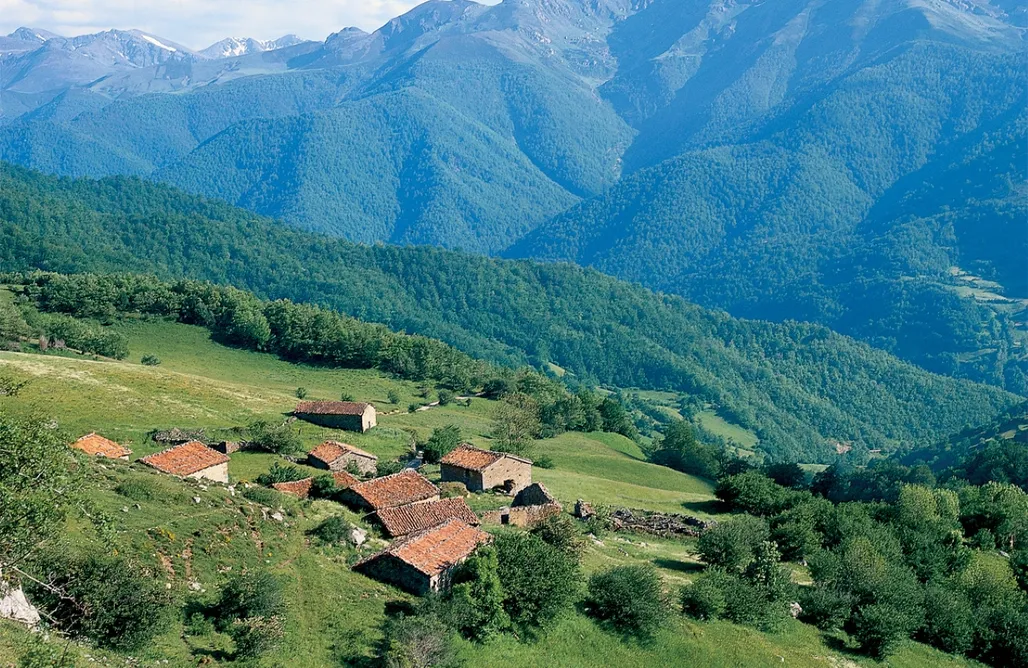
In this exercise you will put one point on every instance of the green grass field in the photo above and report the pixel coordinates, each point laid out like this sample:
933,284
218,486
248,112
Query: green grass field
198,544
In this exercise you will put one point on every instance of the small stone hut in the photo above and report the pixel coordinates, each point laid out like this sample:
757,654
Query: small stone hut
191,460
348,415
531,506
415,517
482,470
391,491
97,446
424,562
336,456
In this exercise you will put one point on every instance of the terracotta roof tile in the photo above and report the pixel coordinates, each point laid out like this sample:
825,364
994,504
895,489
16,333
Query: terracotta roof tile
344,480
330,451
331,408
416,517
434,550
397,489
466,456
98,446
185,459
299,488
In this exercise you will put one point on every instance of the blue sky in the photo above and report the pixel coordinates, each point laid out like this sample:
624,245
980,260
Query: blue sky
199,23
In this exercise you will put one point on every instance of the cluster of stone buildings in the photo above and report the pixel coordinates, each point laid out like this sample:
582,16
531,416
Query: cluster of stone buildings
431,535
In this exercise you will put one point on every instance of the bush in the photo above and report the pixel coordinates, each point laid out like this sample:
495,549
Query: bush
390,466
150,360
561,532
446,397
332,530
110,600
249,595
140,489
42,653
346,396
263,496
540,582
732,544
448,490
880,628
324,487
413,407
270,438
301,393
949,620
280,473
256,636
629,598
198,624
544,462
824,607
474,605
442,441
416,642
393,396
705,599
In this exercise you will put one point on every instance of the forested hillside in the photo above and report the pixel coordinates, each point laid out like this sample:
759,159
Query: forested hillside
806,392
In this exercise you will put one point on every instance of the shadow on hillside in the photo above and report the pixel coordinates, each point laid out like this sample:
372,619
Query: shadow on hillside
712,507
680,566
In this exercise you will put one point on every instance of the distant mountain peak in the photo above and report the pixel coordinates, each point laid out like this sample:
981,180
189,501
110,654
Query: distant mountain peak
32,35
231,47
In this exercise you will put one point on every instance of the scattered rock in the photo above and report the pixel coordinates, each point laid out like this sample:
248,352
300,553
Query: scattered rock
358,536
14,606
795,609
595,540
277,516
666,525
583,510
196,499
124,509
195,586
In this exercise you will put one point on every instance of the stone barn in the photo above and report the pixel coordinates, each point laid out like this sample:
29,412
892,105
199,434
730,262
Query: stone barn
415,517
335,456
97,446
191,460
532,505
348,415
424,562
482,470
391,491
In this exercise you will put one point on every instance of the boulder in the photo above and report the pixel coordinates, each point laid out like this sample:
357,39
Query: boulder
14,606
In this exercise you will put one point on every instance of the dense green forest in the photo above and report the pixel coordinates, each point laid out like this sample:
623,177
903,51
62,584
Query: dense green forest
802,389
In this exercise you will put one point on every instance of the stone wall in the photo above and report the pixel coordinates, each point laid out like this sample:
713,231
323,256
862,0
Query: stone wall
217,473
506,469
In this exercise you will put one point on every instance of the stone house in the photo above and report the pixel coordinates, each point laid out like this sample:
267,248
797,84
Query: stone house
191,460
531,506
97,446
335,456
348,415
415,517
424,562
482,470
391,491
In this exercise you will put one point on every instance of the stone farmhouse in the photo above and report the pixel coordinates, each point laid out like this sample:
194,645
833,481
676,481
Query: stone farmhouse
302,488
335,456
97,446
531,506
391,491
415,517
482,470
191,460
424,562
348,415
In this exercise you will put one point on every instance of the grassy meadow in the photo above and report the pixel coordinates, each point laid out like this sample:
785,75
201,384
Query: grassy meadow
194,536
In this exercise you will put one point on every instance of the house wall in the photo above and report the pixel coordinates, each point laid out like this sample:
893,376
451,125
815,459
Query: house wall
217,473
369,419
507,469
364,464
471,479
388,568
346,422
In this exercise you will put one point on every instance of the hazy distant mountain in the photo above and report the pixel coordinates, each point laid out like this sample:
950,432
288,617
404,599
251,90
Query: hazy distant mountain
241,46
858,163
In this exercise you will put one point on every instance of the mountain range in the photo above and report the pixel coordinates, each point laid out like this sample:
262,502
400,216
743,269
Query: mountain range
858,164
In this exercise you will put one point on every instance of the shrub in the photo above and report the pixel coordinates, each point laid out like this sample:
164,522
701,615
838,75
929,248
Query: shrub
280,473
150,360
324,487
139,489
879,628
540,582
413,407
446,397
474,605
110,600
263,496
332,530
442,441
561,532
732,544
544,462
270,438
301,393
42,653
346,396
825,607
706,598
256,636
393,396
448,490
248,595
198,624
415,642
949,620
629,598
390,466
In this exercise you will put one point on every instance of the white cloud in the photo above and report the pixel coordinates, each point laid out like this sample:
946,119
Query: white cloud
199,23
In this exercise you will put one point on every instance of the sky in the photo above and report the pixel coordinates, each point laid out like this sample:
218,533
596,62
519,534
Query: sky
200,23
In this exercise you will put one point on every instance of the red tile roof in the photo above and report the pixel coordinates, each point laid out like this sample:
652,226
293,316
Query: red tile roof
344,480
331,408
299,488
329,451
434,550
397,489
420,516
185,459
98,446
466,456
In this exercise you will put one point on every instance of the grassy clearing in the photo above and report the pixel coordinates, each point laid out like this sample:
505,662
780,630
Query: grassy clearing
196,536
716,424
